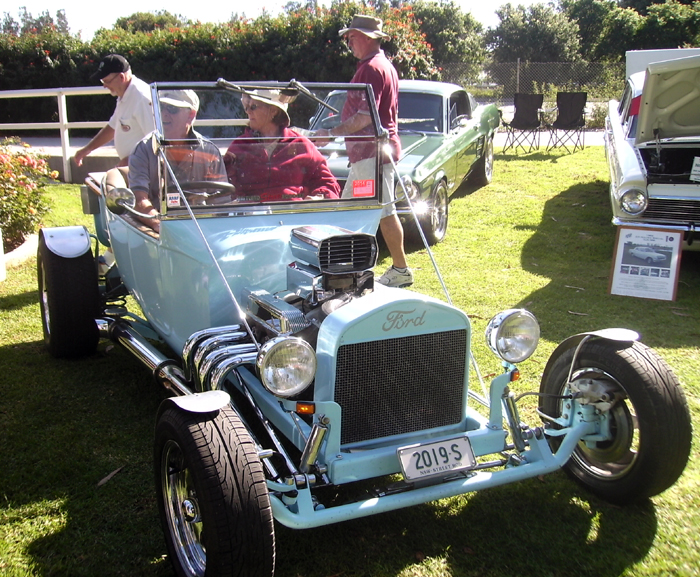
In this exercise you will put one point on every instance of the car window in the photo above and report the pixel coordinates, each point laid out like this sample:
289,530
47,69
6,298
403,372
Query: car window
624,101
460,102
225,160
422,112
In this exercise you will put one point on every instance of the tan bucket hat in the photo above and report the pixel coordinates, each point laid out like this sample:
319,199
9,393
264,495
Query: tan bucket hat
368,25
271,97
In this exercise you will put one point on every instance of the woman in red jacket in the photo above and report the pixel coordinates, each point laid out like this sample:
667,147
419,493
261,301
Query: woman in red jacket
270,162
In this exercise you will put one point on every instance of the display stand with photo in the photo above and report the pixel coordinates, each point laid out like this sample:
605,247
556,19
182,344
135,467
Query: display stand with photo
646,263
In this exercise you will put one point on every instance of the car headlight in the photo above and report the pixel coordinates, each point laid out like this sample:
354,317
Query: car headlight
409,185
513,335
287,365
634,201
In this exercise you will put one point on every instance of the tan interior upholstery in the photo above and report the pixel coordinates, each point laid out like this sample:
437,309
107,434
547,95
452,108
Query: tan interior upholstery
117,177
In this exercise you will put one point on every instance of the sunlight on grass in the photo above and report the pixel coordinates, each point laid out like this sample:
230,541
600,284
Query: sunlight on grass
23,524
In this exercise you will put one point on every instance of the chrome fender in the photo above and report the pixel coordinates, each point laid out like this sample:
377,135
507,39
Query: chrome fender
67,241
623,337
206,402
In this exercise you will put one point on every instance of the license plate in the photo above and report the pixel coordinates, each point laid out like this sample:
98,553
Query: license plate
421,461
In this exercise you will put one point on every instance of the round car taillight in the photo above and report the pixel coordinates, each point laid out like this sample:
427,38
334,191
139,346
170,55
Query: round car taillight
634,201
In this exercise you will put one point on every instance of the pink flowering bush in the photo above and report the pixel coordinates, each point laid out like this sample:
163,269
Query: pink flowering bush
23,179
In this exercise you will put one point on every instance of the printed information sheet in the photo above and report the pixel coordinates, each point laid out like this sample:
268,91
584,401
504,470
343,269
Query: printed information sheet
646,263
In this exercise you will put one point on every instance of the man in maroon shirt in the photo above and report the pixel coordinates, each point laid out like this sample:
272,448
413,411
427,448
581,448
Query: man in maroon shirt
364,36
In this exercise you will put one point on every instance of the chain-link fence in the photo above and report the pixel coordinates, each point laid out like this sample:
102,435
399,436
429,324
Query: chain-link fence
498,82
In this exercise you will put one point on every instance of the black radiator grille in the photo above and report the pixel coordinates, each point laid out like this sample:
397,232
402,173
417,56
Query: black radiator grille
401,385
670,210
351,253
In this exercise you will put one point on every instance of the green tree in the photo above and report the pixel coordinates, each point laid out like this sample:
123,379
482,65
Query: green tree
453,35
28,24
670,25
537,33
590,16
149,21
619,33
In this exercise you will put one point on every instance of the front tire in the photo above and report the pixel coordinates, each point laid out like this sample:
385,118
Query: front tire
69,300
434,223
212,496
650,422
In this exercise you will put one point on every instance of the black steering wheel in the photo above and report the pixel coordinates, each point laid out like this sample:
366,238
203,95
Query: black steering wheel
199,188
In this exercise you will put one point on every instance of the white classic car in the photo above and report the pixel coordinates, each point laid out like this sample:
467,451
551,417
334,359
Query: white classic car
652,144
647,254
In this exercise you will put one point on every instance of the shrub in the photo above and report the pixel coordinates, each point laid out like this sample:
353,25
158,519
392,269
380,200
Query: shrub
23,179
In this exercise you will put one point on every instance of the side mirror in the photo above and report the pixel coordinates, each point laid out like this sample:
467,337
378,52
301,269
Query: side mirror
119,200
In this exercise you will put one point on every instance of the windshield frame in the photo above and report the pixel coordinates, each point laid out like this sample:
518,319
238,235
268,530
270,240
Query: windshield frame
236,121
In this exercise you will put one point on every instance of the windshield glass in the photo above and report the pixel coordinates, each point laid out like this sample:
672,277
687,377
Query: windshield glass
222,145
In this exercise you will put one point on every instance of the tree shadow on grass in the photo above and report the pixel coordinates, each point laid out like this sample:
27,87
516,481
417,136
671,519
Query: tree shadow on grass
66,426
535,527
18,301
573,246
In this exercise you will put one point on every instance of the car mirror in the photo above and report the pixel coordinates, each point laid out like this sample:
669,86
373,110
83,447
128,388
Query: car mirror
459,122
120,200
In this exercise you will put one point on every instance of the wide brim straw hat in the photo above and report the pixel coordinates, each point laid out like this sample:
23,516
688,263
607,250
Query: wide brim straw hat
271,97
368,25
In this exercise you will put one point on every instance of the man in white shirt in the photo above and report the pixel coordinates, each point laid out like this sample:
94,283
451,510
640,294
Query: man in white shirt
133,116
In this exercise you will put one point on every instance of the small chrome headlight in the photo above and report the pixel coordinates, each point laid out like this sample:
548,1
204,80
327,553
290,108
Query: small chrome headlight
513,335
411,188
633,201
287,365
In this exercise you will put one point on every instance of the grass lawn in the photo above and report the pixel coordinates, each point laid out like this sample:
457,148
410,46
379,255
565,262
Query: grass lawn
538,237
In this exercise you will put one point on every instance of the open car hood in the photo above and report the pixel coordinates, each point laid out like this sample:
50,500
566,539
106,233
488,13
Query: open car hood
670,104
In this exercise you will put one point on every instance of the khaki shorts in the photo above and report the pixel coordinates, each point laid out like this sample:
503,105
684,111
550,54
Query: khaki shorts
364,170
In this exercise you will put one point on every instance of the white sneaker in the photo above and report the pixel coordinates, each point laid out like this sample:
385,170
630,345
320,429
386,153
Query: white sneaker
393,277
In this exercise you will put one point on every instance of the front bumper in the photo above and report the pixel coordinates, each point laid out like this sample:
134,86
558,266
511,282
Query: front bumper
296,509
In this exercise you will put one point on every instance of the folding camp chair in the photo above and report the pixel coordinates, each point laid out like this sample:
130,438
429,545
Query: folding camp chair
524,130
567,130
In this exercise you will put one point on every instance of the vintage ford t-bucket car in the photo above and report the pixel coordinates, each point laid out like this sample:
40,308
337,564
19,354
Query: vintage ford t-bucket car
652,144
263,320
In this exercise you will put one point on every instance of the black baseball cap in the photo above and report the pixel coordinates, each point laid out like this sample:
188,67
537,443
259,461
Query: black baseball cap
110,64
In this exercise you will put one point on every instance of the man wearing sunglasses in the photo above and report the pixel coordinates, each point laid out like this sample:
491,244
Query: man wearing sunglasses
133,116
189,155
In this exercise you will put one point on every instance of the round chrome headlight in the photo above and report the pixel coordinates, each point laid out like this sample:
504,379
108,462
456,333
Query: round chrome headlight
513,335
633,201
287,365
408,184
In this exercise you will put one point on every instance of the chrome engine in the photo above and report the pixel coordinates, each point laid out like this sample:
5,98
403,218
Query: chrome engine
332,266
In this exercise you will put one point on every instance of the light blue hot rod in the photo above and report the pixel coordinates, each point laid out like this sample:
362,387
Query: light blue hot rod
282,353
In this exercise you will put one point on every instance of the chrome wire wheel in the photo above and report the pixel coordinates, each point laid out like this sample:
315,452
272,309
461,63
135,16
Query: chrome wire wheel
182,510
613,459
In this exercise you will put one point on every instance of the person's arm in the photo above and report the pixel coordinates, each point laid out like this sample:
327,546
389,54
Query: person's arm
145,206
139,182
104,136
352,125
